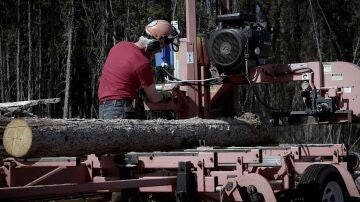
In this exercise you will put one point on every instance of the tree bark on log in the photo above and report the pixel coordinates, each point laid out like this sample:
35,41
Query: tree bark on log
58,137
61,137
4,121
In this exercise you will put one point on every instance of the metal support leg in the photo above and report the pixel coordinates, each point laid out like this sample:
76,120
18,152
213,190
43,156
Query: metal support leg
185,189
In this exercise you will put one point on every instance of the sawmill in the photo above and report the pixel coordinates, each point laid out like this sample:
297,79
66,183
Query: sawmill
198,152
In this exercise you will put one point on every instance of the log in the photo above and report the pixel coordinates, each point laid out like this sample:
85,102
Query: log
10,106
74,137
4,121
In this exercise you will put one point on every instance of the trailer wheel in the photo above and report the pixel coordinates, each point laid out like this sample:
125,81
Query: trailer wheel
321,182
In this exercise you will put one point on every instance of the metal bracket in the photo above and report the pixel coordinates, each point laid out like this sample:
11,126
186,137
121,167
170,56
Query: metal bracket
185,188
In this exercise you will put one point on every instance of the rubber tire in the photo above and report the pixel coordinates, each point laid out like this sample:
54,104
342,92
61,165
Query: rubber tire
314,180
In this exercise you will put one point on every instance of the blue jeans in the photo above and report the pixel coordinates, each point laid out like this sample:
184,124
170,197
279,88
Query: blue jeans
116,109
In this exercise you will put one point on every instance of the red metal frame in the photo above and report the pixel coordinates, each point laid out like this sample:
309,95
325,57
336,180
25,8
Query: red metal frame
339,82
336,80
226,170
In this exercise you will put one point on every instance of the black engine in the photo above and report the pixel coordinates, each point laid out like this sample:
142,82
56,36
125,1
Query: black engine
238,38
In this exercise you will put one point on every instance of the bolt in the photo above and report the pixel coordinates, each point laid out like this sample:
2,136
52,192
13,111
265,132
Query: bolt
199,163
211,159
239,160
251,189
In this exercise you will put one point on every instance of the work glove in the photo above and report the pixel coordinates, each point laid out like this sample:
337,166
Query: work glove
175,86
167,96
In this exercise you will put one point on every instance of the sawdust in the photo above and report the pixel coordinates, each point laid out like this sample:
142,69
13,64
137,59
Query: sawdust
251,119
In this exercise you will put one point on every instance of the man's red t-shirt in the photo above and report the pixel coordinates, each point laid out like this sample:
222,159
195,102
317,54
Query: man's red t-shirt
126,69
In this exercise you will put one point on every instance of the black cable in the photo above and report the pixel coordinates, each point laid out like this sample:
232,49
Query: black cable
252,86
193,82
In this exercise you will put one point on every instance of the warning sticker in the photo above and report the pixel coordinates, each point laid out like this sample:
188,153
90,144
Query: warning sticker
327,67
337,77
347,90
190,57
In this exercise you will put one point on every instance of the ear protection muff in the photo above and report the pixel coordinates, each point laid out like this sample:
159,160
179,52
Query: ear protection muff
152,43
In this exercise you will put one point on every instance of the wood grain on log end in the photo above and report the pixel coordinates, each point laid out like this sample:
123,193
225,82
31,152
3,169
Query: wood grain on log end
17,138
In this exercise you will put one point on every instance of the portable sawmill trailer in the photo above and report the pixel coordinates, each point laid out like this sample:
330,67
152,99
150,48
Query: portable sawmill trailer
238,50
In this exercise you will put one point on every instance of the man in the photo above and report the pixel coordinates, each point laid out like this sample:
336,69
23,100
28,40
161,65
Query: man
127,68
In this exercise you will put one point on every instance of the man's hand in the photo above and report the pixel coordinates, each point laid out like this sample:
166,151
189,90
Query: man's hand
152,94
167,96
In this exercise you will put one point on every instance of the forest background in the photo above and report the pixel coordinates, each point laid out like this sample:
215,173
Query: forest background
53,48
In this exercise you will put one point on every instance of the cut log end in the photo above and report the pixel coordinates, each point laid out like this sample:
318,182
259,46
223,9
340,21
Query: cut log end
17,138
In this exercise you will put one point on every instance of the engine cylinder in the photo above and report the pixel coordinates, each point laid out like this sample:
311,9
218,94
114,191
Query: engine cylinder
226,48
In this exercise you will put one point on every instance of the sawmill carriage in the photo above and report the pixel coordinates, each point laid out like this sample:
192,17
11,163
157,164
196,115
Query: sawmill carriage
238,50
